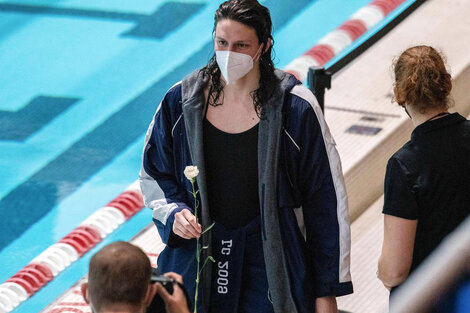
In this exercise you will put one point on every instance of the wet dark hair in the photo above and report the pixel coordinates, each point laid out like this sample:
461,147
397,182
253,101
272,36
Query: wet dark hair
256,16
421,79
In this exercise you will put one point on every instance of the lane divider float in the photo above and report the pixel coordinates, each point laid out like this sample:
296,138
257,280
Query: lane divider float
61,254
336,41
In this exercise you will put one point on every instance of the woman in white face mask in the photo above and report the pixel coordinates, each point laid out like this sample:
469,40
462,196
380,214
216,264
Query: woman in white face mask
241,72
263,149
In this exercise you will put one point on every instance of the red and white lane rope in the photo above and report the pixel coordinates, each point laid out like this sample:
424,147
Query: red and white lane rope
336,41
71,301
60,255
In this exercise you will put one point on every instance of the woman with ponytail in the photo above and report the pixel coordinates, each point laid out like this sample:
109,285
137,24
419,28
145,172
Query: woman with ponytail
427,183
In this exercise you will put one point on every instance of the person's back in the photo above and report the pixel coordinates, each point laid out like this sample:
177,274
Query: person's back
427,184
437,161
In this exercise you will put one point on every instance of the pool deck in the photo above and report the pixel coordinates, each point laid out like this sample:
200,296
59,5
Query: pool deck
361,95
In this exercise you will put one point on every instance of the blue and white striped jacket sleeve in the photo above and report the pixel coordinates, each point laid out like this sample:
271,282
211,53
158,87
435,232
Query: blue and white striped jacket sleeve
157,172
324,201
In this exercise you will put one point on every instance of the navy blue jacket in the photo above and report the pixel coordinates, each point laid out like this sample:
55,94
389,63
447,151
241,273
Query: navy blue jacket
304,209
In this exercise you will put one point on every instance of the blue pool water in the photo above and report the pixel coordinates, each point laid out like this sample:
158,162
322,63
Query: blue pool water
79,83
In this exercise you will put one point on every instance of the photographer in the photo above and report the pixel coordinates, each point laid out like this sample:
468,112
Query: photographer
119,280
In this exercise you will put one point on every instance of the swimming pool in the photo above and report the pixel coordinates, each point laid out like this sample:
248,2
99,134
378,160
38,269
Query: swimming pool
79,83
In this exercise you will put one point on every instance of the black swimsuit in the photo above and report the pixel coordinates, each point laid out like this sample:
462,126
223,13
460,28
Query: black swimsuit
239,281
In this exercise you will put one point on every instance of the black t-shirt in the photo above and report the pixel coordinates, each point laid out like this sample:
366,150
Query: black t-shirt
231,162
428,180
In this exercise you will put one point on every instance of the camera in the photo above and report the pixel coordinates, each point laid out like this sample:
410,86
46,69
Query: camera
165,281
158,305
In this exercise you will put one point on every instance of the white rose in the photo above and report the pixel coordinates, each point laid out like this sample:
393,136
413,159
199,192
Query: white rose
191,172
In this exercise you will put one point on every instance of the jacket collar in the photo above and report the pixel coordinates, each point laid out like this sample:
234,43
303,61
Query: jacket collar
437,124
192,89
269,141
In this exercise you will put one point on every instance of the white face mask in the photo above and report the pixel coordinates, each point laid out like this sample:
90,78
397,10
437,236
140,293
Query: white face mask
234,65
